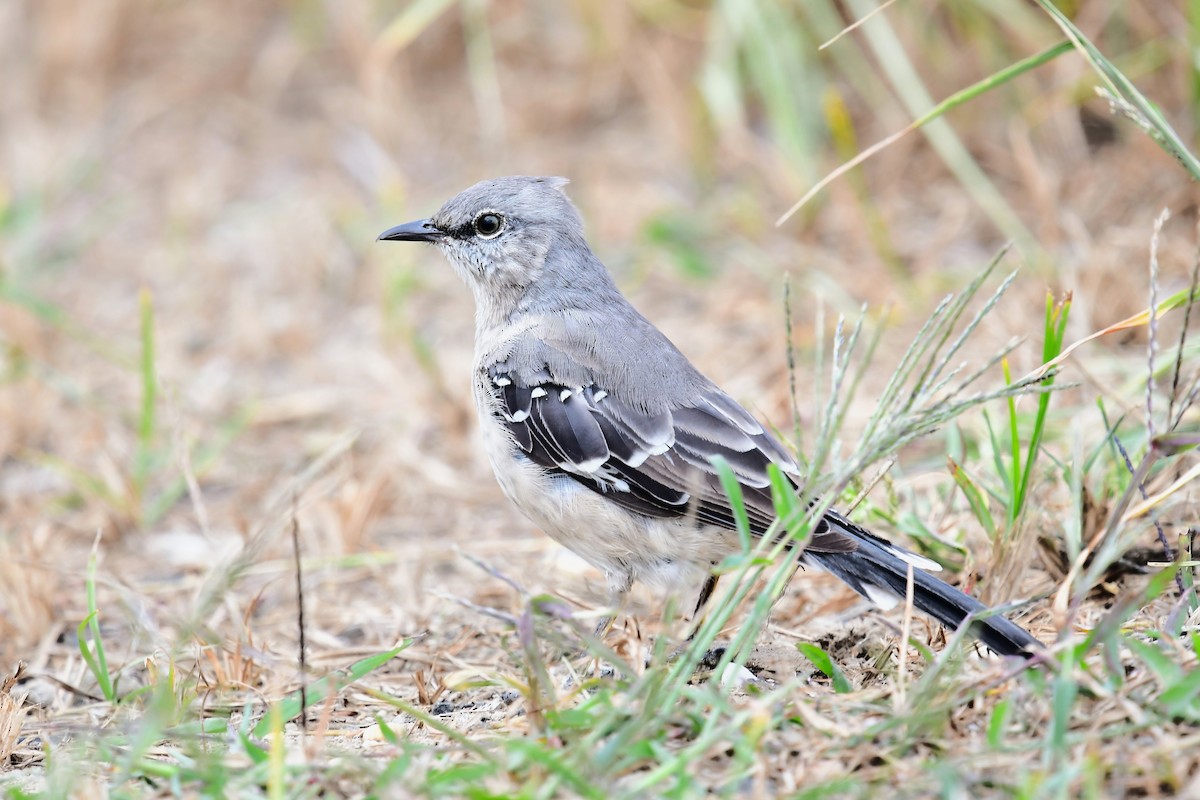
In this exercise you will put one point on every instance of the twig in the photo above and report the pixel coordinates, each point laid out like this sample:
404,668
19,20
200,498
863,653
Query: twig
791,358
858,22
1141,486
300,619
875,479
495,573
60,683
487,611
1152,343
1172,420
193,485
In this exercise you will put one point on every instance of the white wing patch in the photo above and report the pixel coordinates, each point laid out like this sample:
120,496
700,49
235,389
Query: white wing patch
609,481
921,562
884,598
588,467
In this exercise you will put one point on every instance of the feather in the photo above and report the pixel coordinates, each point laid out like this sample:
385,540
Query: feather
725,405
712,428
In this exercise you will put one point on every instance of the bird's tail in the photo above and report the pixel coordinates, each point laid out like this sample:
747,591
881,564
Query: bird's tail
879,572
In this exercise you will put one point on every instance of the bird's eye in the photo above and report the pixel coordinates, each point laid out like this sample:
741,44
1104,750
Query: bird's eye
489,224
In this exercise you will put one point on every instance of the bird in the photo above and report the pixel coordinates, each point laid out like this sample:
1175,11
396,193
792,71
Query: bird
602,432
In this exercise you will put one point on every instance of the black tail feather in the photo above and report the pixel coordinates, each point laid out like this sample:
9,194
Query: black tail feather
872,567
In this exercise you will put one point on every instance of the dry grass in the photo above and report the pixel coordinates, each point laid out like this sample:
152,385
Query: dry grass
217,173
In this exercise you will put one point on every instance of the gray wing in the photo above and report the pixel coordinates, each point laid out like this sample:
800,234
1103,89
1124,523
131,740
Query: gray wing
654,463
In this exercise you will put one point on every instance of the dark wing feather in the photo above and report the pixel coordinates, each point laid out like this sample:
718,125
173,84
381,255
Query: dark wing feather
564,419
658,464
621,446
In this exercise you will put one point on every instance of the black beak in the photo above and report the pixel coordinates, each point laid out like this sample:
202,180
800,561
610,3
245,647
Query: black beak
421,230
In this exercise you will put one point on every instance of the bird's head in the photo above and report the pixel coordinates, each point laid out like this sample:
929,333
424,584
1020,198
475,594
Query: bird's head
506,236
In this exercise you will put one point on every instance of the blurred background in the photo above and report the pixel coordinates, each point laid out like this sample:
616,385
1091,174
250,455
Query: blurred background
200,338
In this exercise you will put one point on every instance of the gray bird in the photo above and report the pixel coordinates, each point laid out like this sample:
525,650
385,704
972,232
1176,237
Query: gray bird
603,433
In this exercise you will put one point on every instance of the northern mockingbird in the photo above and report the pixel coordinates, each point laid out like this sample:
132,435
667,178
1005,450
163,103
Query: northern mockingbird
603,433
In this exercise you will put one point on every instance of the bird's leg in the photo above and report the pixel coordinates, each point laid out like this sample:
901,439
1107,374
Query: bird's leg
706,593
619,584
